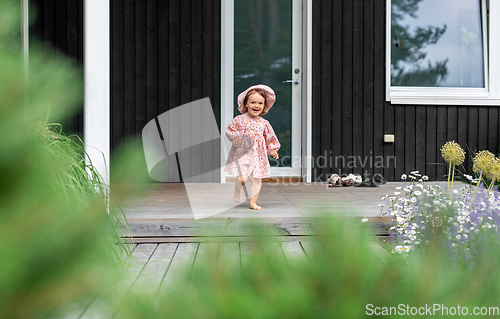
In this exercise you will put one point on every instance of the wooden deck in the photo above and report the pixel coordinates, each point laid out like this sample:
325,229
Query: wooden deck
161,213
168,241
157,267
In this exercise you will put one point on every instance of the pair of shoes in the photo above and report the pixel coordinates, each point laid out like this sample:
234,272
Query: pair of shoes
355,178
334,180
367,183
378,179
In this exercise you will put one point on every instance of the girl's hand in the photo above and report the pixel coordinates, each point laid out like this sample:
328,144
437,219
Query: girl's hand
274,154
236,141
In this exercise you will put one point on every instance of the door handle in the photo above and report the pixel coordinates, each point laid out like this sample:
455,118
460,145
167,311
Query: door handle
296,81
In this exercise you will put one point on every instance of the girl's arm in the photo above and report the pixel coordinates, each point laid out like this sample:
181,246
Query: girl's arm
233,129
272,143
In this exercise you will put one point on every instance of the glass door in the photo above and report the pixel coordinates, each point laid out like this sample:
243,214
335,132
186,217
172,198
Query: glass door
267,50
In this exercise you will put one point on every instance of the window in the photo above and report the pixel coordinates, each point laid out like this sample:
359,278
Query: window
442,52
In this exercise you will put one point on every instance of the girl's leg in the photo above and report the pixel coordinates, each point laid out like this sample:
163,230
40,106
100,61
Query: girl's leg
255,190
238,186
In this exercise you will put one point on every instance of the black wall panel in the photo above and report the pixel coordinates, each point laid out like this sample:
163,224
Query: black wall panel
58,26
351,116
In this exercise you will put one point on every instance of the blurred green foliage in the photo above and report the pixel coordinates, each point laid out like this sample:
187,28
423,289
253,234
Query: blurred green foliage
336,280
54,227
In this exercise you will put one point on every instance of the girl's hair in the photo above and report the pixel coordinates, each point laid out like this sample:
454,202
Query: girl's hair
262,93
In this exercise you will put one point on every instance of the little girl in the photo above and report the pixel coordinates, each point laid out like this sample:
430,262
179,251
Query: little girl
253,138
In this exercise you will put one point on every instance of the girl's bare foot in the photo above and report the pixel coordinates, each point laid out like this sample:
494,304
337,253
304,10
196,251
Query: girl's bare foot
255,206
237,196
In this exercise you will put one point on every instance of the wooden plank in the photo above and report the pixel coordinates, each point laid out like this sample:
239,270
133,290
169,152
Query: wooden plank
163,56
141,55
152,275
409,136
367,125
337,124
379,86
219,239
201,157
316,85
326,85
452,123
174,67
482,128
49,27
207,82
311,248
216,102
185,53
420,138
462,135
380,253
129,103
358,117
208,254
293,251
269,250
493,130
117,72
347,77
100,309
229,255
431,147
399,141
152,60
180,267
441,124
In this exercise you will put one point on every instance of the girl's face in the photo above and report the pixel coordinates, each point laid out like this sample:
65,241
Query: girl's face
255,105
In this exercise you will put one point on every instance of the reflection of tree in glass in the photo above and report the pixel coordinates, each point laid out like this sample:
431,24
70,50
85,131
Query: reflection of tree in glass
407,49
262,54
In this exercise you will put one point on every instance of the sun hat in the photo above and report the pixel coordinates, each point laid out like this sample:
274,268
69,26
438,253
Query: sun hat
271,97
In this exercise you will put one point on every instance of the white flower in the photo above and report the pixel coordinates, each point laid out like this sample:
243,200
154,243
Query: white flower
407,248
425,177
418,193
364,220
399,187
458,236
403,177
455,191
413,199
399,249
397,193
415,172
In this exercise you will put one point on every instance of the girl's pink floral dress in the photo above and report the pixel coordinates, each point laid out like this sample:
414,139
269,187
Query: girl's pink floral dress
258,139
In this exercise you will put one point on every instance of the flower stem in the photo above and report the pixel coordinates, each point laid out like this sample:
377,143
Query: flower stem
452,178
449,175
475,193
492,184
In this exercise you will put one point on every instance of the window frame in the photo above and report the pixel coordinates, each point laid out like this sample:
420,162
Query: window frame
489,95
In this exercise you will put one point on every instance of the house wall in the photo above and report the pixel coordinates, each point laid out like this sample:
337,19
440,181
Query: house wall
351,116
167,53
58,27
164,54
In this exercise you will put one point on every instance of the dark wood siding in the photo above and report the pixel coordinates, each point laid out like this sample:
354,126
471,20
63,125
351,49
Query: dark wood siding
163,54
351,116
58,27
